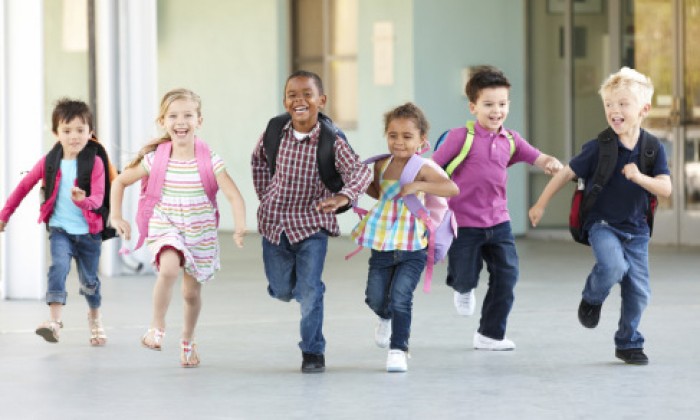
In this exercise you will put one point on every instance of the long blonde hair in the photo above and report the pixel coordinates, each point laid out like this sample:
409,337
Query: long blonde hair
168,99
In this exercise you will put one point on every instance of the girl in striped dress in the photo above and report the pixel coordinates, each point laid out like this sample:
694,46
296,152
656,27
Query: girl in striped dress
397,239
180,224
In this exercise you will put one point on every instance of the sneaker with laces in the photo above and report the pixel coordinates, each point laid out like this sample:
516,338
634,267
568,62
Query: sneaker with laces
382,333
632,356
588,314
465,303
313,363
396,361
49,330
481,342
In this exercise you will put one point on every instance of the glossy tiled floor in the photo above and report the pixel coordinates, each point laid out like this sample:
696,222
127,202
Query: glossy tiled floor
250,360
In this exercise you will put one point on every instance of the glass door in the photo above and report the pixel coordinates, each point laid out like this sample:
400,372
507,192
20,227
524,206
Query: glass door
656,40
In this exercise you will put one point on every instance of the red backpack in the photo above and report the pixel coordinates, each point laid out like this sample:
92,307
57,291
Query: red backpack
584,198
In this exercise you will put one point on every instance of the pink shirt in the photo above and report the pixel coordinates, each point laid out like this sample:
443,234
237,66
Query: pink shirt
482,177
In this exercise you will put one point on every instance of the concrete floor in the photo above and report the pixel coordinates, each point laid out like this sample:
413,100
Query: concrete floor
250,359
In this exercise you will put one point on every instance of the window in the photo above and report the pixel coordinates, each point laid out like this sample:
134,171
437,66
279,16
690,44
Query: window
325,42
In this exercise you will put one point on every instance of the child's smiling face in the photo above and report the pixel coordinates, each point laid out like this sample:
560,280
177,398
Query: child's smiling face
623,111
73,135
303,101
181,120
491,107
403,138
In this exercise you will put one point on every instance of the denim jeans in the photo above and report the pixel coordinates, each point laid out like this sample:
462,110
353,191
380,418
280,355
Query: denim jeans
294,271
620,258
495,246
86,250
392,279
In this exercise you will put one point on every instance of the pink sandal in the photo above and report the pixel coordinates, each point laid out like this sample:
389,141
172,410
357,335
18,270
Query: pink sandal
156,334
188,354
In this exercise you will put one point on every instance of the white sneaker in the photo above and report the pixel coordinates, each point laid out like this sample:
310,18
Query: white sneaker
465,303
382,333
481,342
396,361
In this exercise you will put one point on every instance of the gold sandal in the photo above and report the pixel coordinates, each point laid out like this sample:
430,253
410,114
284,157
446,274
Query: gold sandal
49,330
156,334
97,332
188,354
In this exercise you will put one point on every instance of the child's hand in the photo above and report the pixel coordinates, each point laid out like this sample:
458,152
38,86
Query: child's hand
2,225
331,204
238,235
77,194
410,188
122,227
552,166
631,172
536,212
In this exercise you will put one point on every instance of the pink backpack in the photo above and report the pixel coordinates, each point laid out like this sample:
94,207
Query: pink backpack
435,213
152,186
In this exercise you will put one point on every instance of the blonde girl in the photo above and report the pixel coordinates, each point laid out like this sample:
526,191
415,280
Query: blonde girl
180,227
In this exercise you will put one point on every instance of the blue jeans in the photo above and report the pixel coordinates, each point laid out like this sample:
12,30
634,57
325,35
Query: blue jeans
495,246
392,279
620,258
294,271
86,250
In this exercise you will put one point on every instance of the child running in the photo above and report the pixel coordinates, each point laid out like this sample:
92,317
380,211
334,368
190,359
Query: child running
398,239
70,212
617,226
481,208
178,215
297,207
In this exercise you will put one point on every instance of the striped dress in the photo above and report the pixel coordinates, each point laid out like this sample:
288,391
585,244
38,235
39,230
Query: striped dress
184,218
389,225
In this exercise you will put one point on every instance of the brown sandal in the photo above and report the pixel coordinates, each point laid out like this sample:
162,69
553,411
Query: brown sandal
49,330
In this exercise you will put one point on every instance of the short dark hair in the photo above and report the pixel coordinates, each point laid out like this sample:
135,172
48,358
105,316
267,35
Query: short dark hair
308,75
484,77
411,112
68,109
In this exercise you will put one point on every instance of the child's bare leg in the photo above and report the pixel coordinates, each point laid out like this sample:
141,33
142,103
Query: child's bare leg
55,311
192,294
169,270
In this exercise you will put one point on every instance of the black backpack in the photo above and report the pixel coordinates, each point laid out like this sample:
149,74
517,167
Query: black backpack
325,156
85,163
583,201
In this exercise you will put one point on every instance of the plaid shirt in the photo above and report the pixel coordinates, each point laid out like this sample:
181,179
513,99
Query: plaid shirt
288,199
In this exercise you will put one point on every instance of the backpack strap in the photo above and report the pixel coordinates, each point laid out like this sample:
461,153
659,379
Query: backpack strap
107,231
206,173
414,205
607,160
466,147
51,164
649,150
152,189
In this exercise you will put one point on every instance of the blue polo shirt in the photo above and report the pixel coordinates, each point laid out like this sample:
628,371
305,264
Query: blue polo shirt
621,203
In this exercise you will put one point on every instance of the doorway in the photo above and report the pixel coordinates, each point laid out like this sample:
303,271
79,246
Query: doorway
657,37
573,46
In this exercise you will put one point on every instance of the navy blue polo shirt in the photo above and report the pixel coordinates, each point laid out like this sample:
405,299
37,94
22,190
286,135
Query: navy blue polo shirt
621,203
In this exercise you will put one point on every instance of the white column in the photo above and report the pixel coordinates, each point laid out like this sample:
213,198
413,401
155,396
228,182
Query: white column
107,84
23,244
138,98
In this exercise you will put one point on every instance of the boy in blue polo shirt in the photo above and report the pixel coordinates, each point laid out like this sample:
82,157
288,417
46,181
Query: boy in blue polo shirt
616,225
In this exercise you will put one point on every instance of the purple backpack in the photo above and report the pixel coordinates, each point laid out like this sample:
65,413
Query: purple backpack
435,213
